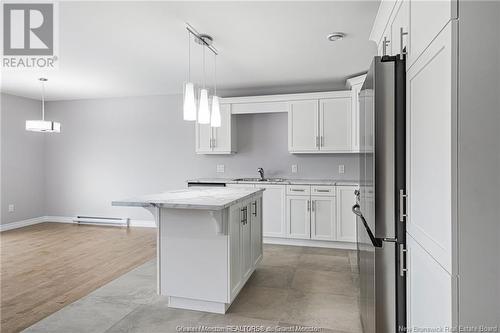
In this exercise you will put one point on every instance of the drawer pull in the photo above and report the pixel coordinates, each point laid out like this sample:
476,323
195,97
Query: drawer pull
323,191
298,190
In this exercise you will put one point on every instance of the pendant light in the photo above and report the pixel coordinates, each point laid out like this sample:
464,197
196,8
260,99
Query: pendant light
215,120
203,110
189,101
43,125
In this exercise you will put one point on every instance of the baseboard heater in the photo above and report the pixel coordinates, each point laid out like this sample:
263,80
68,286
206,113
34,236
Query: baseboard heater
108,221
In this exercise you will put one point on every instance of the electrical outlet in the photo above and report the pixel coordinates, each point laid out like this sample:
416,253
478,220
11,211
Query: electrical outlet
221,168
341,168
11,208
294,168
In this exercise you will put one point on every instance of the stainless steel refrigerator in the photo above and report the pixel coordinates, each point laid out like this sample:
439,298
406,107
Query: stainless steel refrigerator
380,213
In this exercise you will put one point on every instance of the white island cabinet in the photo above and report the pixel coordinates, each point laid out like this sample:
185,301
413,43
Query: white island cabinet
209,243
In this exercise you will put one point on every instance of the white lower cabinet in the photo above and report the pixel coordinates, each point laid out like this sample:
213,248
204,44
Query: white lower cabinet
273,210
245,242
323,217
429,291
298,216
346,220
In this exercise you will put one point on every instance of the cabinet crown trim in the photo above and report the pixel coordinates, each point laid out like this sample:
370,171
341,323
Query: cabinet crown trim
285,97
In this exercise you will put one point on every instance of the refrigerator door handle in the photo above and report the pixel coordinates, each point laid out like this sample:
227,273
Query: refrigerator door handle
377,242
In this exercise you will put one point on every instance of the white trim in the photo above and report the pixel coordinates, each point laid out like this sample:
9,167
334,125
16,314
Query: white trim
310,242
353,81
382,19
285,97
66,219
20,224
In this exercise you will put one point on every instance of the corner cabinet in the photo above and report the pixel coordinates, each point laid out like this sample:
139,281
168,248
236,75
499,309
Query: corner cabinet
321,125
217,140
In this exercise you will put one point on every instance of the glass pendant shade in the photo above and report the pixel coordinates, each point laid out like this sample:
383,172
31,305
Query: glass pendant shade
189,102
215,120
43,126
203,110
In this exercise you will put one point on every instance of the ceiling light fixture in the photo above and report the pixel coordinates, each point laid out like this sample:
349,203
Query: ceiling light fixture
43,125
335,36
204,114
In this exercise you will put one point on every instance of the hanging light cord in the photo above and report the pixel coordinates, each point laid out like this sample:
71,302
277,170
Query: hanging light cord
43,100
204,77
189,56
215,75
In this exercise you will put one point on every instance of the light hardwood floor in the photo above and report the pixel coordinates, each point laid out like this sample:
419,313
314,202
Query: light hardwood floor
46,266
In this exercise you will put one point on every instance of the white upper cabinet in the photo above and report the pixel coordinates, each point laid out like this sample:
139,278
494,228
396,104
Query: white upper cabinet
346,220
425,27
217,140
303,126
321,125
355,83
431,131
335,124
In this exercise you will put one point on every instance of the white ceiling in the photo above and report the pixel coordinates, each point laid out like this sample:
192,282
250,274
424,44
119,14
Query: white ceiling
112,49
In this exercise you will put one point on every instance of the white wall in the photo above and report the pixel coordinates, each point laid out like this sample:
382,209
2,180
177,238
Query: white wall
115,148
22,160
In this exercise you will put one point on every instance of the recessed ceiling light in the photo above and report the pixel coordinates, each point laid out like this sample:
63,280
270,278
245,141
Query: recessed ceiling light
335,36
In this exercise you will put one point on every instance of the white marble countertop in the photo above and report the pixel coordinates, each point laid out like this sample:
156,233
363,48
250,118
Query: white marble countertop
330,182
205,198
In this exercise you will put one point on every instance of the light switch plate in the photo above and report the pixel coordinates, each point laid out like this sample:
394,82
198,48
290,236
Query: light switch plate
11,208
294,168
221,168
341,168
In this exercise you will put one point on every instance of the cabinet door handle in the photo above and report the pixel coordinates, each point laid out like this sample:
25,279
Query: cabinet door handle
244,213
321,142
384,46
215,142
313,205
402,262
401,51
308,205
254,205
317,141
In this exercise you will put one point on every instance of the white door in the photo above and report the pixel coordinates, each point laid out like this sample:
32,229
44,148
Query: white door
256,230
203,138
246,241
335,122
323,218
428,289
273,210
222,135
298,216
303,126
346,220
235,248
430,132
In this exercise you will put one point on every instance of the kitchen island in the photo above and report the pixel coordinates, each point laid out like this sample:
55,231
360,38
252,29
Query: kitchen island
209,243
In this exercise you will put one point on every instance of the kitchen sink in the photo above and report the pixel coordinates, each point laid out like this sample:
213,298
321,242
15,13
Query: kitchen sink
259,180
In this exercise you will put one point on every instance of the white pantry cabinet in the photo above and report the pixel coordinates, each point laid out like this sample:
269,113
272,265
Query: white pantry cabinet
217,140
429,290
431,133
346,220
323,220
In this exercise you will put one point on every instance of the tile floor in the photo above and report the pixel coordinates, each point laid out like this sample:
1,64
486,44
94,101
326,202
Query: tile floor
292,286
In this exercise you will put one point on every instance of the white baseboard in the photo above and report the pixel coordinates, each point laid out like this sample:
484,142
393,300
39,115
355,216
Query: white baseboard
309,242
66,219
20,224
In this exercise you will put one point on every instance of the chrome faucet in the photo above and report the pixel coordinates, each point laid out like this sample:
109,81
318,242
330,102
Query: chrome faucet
261,172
